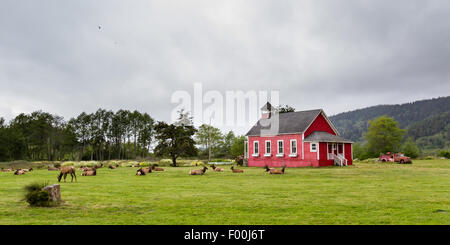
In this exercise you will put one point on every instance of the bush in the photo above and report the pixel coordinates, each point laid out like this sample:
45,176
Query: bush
445,154
36,197
144,164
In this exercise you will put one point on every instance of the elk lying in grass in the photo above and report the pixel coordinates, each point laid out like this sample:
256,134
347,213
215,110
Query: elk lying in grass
27,169
275,171
140,172
53,169
154,168
6,170
217,169
88,168
198,171
19,172
112,166
89,173
236,170
98,166
65,171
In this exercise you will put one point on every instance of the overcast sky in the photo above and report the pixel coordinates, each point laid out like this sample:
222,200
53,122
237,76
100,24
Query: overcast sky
335,55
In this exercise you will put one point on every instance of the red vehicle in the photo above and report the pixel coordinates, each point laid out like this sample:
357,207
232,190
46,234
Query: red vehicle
394,157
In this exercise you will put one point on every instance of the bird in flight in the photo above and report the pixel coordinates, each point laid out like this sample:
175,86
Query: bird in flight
99,27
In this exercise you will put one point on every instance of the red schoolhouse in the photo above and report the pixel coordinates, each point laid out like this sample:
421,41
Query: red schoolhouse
302,138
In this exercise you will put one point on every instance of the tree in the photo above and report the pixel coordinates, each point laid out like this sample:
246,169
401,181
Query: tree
384,135
175,140
410,149
237,147
284,109
209,137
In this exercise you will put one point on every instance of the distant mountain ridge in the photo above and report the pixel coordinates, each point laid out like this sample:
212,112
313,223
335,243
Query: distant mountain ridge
427,121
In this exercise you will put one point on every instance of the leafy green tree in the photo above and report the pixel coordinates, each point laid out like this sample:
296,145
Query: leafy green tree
384,135
237,147
209,137
410,148
175,140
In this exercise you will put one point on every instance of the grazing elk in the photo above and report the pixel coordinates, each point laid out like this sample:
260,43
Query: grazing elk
65,171
275,171
198,171
89,173
19,172
217,169
236,170
154,168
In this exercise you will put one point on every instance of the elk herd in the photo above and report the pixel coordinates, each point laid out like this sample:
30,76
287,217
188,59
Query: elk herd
92,171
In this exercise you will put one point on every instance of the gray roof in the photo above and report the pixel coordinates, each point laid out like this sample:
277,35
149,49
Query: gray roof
320,136
289,123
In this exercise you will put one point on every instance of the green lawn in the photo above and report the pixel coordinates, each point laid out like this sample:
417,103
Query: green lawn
366,193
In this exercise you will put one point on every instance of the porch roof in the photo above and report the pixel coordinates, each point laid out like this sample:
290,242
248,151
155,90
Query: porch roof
320,136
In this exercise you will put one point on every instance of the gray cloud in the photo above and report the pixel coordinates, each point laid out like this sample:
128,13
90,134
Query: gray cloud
319,54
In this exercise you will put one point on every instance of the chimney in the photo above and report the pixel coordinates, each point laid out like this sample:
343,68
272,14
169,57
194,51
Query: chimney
266,111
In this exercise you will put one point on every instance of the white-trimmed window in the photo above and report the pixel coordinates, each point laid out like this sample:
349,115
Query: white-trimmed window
293,148
313,147
268,148
280,148
255,148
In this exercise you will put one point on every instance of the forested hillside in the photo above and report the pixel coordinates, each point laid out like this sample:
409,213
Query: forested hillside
427,121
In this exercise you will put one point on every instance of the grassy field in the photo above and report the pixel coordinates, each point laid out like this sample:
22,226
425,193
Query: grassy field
366,193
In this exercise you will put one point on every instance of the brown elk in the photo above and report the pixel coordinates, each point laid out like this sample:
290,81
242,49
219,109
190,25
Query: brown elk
98,166
147,170
53,169
154,168
6,170
27,169
112,166
19,172
198,171
65,171
89,173
217,169
88,168
236,170
275,171
140,172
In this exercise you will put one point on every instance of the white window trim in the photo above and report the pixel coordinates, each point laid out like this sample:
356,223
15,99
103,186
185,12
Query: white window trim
311,148
255,154
303,146
267,154
280,154
293,154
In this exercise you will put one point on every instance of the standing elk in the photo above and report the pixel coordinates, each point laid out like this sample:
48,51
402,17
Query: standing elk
217,169
67,170
198,171
154,168
236,170
275,171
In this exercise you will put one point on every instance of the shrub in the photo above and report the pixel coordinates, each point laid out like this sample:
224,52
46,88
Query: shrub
445,154
67,164
144,164
36,197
